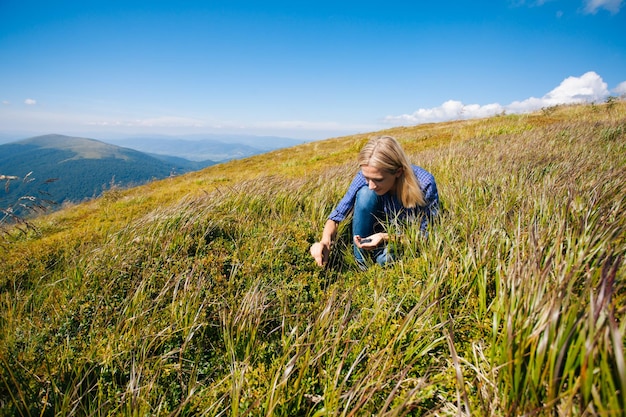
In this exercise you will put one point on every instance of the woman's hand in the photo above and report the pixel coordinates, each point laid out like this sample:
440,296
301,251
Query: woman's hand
320,252
370,242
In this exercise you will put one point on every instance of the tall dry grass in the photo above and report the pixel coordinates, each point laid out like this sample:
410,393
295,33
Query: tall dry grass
197,296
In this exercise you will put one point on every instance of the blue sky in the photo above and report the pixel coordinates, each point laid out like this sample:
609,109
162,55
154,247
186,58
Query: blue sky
302,69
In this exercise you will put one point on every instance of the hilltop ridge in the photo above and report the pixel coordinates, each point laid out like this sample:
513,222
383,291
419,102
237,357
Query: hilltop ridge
82,148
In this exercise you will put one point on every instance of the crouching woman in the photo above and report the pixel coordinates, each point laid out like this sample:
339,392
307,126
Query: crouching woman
387,188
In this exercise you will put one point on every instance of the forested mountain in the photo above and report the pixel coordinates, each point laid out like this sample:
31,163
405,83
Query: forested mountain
61,168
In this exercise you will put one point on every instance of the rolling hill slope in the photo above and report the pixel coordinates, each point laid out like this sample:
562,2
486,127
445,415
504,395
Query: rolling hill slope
196,294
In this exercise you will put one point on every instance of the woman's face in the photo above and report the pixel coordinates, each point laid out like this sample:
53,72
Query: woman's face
380,181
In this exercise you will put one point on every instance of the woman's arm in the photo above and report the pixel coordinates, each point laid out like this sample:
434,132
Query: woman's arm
321,250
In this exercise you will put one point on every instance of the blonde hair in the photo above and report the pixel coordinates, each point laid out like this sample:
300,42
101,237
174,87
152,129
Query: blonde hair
385,153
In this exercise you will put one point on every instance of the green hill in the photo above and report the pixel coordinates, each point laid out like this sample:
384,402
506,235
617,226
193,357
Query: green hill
81,168
196,295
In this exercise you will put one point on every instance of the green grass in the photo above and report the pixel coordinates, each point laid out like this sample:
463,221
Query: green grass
196,295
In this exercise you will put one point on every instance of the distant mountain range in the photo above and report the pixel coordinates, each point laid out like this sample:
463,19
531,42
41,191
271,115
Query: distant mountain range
206,147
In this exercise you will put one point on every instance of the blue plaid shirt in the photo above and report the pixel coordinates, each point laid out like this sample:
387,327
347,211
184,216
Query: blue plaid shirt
392,207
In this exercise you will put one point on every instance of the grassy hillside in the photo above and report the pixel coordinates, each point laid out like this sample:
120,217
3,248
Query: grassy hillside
196,295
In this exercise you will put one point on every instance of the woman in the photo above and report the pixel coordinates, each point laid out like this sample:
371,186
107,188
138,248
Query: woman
387,188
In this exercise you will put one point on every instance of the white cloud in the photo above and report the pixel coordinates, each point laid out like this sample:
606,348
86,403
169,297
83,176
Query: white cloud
450,110
301,124
587,88
168,121
613,6
30,102
530,3
620,89
6,102
589,6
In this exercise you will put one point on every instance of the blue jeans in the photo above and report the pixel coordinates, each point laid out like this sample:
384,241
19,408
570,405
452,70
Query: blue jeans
367,217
